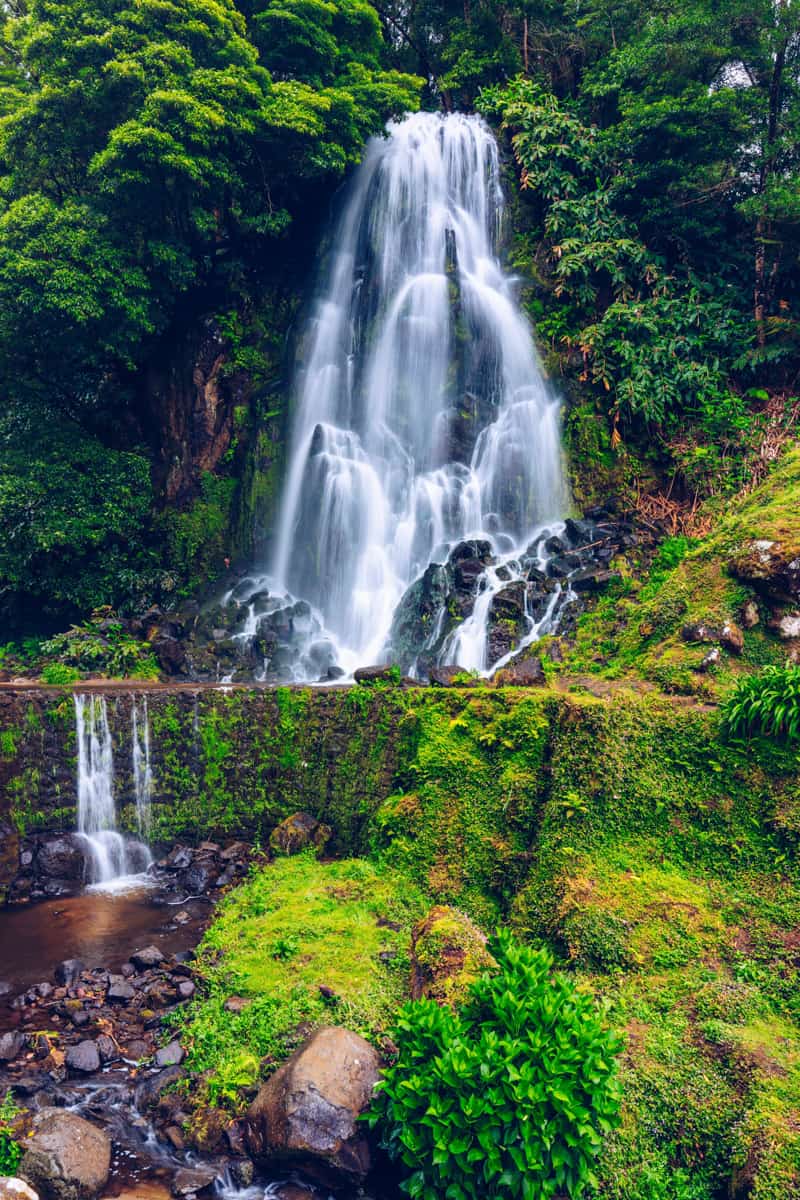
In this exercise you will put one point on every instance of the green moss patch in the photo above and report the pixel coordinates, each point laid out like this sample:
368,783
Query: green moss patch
302,944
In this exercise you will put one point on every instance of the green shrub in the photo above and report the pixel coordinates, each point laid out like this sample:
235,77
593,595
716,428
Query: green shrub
509,1097
767,703
10,1150
60,673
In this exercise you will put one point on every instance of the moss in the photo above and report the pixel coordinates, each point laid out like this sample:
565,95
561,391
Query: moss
295,927
634,631
449,956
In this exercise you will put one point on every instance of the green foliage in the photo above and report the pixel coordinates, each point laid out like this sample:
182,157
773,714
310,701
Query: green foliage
511,1096
10,1149
75,517
767,703
101,645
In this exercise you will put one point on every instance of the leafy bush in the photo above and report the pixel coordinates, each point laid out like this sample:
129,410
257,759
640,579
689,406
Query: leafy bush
766,703
101,645
10,1150
509,1097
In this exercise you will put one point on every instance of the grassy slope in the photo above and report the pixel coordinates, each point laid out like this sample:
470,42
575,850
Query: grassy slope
657,860
635,630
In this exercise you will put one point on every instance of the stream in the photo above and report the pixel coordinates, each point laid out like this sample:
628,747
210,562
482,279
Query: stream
103,929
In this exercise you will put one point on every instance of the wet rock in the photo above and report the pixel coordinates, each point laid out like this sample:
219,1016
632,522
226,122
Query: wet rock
243,1172
448,953
67,1158
451,677
68,972
120,991
83,1058
299,832
170,655
11,1045
307,1113
199,877
107,1048
193,1181
170,1056
61,858
5,988
527,673
149,1090
16,1189
382,673
144,960
127,970
591,579
179,859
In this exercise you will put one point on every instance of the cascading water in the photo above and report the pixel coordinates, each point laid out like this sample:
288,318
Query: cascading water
112,859
142,771
423,417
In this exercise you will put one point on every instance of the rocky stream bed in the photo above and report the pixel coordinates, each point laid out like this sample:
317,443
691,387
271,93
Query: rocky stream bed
91,984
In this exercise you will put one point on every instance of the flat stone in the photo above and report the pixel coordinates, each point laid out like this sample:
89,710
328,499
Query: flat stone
170,1056
120,991
190,1181
84,1057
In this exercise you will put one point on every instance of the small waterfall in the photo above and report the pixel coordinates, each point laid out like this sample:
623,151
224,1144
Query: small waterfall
142,771
423,415
112,859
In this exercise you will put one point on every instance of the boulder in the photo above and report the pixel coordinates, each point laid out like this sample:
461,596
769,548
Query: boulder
591,579
143,960
16,1189
66,1158
451,677
297,833
61,857
83,1058
529,672
448,953
381,673
771,567
307,1113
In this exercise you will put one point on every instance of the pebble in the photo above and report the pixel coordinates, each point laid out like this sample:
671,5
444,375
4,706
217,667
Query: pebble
170,1056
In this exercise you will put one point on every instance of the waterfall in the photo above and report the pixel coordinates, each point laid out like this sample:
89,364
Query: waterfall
112,859
142,771
422,415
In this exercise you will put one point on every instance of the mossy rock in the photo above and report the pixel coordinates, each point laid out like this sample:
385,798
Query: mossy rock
448,953
299,832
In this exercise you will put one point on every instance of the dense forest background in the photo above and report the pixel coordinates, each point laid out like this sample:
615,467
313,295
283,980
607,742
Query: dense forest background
166,173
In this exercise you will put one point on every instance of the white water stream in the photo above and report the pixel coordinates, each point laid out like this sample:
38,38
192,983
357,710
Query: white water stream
422,415
114,861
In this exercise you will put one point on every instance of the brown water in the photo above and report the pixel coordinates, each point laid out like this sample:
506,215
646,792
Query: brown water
99,928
